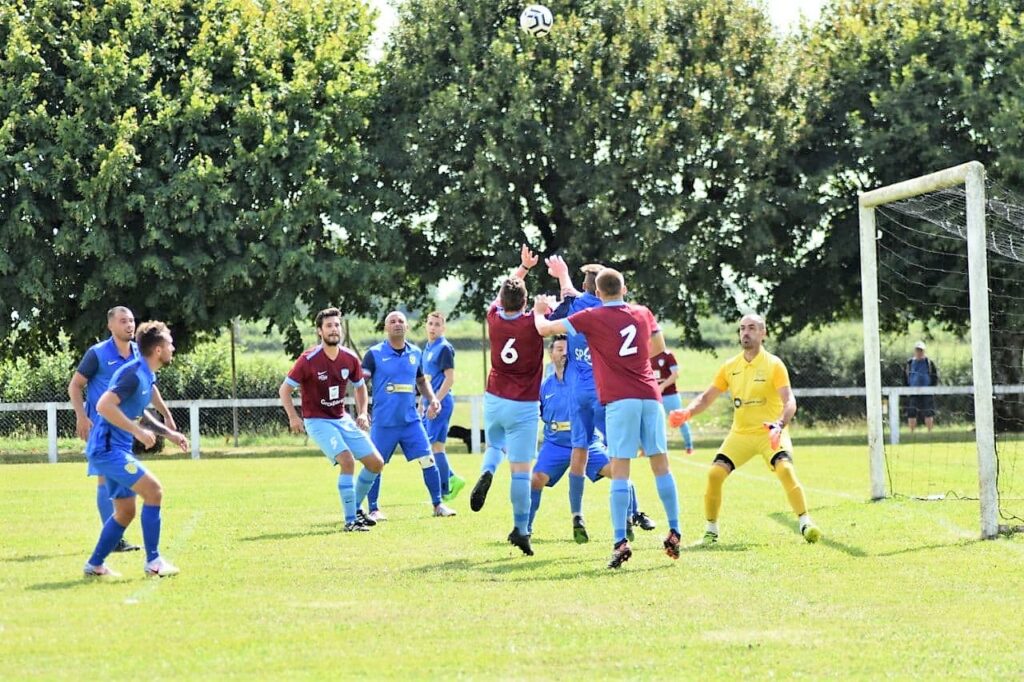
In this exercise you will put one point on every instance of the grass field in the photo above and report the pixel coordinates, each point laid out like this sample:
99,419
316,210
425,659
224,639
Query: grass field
270,587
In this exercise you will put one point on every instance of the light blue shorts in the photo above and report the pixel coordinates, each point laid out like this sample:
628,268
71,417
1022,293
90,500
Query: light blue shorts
635,424
412,437
512,424
588,417
121,470
437,428
335,436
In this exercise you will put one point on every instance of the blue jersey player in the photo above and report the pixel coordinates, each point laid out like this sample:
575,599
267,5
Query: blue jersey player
110,452
90,381
439,368
396,371
589,416
557,412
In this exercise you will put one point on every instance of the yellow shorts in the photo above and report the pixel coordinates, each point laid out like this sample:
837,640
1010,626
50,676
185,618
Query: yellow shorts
740,448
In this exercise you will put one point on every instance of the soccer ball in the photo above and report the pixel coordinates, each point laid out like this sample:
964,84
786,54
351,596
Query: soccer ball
536,20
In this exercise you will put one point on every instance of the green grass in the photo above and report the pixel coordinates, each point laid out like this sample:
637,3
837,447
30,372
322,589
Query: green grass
271,588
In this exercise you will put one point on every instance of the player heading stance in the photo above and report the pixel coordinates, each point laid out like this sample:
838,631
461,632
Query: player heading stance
439,368
511,400
622,339
759,385
89,382
110,452
323,373
396,369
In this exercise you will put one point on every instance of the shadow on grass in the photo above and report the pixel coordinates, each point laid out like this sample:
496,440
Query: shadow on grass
28,558
292,536
531,569
852,550
925,548
69,585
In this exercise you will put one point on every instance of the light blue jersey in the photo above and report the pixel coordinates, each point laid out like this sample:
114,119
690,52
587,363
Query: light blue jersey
98,366
394,374
133,384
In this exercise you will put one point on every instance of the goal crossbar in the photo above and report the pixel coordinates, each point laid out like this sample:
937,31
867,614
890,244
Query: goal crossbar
972,176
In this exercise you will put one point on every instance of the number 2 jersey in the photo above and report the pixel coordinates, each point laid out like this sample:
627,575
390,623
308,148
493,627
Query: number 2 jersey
517,355
618,334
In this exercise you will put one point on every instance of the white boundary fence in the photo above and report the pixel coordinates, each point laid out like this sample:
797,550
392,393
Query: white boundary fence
891,406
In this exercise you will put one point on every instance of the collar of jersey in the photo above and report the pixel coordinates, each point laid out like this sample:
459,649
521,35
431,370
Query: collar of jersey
760,351
613,303
113,346
394,350
506,316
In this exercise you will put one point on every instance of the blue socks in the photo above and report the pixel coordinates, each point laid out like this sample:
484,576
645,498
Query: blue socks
109,537
575,494
150,531
619,507
634,506
669,498
347,492
364,482
534,506
432,479
519,492
374,493
443,470
492,458
687,435
104,504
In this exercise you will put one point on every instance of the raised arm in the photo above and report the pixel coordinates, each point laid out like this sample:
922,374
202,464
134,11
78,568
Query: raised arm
527,260
677,418
542,305
558,269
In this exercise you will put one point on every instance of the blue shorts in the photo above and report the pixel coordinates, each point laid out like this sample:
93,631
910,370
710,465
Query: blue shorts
121,470
588,416
335,436
412,437
90,468
553,461
512,424
635,424
437,428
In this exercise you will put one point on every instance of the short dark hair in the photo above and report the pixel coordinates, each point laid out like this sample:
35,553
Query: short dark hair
513,294
558,337
115,310
326,312
149,335
438,314
609,282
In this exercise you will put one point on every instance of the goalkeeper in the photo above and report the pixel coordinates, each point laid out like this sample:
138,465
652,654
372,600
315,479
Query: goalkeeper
758,383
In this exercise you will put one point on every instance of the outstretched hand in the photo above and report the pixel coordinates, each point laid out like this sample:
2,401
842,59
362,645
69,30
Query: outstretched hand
774,433
544,304
677,418
528,258
557,267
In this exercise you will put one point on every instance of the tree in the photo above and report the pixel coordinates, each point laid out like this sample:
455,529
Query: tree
894,89
196,160
639,133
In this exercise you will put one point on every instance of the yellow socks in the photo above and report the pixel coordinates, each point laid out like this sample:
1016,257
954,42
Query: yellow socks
794,491
713,494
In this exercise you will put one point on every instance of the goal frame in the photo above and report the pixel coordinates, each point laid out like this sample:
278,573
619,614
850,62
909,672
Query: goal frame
972,176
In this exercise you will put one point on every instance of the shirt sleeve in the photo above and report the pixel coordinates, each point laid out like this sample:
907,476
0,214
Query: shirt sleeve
670,361
780,375
297,373
652,321
89,364
369,364
562,311
579,323
446,359
721,382
356,376
124,385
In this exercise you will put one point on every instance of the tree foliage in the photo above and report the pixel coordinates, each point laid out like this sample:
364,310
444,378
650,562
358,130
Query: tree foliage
196,160
639,133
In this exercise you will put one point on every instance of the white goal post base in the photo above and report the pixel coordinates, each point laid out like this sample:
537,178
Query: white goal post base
972,176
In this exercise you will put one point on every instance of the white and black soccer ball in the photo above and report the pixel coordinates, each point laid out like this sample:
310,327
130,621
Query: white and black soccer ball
536,20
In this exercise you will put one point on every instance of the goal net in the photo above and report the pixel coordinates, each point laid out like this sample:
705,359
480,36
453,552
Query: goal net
942,265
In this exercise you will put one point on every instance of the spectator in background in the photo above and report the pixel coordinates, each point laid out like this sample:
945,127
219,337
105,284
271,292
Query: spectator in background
920,371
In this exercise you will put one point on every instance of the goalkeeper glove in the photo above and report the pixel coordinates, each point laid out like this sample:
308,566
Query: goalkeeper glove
774,432
677,418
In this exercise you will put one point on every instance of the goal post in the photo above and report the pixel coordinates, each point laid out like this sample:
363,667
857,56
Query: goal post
972,176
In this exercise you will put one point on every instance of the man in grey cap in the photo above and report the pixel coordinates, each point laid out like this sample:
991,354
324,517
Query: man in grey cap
920,371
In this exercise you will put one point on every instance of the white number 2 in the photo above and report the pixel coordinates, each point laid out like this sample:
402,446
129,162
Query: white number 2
628,335
509,354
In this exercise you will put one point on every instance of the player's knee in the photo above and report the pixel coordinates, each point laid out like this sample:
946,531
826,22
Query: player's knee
782,460
538,481
724,463
717,474
426,461
374,463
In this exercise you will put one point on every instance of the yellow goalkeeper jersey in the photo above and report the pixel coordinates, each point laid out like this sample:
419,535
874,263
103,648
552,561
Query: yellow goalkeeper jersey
754,388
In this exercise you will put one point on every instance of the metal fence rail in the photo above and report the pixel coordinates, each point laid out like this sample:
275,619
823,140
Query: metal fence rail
891,406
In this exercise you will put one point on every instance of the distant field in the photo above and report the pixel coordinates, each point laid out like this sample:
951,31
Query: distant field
271,588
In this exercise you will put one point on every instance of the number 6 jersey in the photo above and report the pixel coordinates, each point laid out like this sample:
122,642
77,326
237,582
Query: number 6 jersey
517,355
